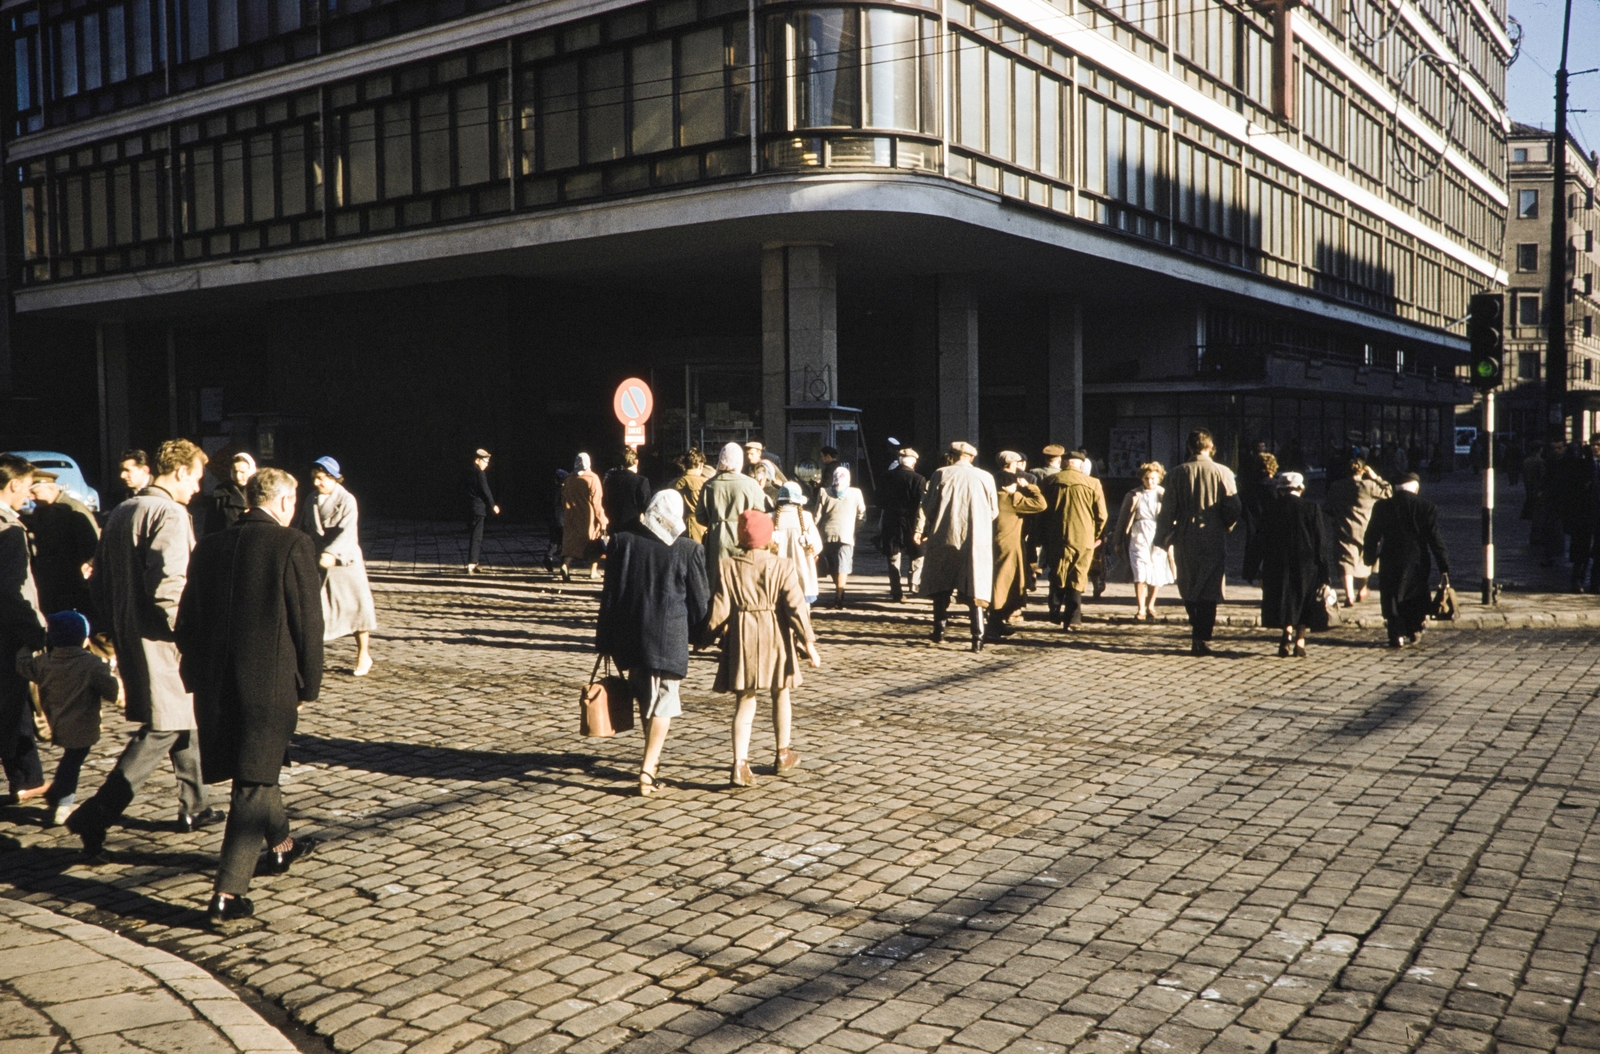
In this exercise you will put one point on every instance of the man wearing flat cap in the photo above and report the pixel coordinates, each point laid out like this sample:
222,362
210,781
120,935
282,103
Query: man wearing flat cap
1070,532
956,529
1403,532
900,498
480,502
65,535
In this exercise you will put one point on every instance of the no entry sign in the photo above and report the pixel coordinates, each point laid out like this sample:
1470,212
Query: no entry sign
633,403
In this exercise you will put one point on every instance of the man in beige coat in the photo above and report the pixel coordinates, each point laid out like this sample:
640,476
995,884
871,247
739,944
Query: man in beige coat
955,526
1072,527
1200,506
140,571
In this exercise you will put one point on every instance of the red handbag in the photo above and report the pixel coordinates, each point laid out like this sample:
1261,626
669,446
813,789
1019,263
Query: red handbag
607,706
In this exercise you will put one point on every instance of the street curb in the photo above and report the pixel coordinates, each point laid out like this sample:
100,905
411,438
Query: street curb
170,979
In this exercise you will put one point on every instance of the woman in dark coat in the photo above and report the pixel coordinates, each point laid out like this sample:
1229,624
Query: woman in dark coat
655,590
1402,535
1290,548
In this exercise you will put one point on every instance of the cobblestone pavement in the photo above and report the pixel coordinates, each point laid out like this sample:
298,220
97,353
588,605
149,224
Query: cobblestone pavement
1091,843
68,986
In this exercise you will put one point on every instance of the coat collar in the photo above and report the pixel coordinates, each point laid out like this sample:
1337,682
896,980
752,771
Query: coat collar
10,515
258,516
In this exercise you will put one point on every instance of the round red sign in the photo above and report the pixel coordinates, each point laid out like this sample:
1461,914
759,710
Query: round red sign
633,402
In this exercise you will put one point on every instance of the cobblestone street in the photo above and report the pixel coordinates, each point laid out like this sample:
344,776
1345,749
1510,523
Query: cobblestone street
1091,843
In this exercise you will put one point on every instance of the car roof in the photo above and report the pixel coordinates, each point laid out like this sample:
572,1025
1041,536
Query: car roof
47,458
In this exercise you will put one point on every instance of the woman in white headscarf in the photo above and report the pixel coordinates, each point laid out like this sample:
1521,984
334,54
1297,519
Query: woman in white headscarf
584,519
655,592
332,521
722,499
796,535
840,510
1290,550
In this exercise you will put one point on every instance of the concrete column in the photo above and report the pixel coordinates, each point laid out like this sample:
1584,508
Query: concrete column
111,346
1065,369
958,361
799,335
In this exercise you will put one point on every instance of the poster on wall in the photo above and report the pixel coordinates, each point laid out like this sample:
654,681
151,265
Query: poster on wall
1130,448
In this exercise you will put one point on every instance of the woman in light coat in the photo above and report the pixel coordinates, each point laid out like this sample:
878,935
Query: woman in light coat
1136,531
764,623
584,519
332,520
840,510
796,536
1349,505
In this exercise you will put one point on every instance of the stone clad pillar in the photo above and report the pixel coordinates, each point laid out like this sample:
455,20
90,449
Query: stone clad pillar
1065,371
957,361
111,347
799,336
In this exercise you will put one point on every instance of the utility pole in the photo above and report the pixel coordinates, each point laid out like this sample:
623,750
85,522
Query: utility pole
1555,357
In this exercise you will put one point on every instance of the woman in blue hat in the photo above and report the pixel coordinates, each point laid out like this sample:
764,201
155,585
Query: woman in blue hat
332,521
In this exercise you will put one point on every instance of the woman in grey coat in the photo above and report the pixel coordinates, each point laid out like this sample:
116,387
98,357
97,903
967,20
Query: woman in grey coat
332,521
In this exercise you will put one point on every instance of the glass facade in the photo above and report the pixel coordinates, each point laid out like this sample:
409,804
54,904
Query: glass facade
664,94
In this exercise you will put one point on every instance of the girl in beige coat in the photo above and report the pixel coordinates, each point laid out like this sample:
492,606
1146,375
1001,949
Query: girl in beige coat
764,623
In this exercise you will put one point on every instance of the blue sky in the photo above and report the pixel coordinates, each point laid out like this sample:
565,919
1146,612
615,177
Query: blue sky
1531,83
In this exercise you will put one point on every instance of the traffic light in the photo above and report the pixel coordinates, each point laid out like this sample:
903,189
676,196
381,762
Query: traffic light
1486,332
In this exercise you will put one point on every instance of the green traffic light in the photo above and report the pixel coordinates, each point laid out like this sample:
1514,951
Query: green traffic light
1487,368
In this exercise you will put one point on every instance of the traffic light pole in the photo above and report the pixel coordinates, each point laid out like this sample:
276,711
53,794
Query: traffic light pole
1489,591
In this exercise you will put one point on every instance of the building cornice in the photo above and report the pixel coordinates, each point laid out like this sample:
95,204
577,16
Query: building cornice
298,271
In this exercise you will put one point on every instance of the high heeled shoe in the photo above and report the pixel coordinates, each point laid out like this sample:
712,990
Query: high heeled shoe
1299,649
741,776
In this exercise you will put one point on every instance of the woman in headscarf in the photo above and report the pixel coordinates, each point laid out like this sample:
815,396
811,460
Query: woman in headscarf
1291,550
796,536
655,590
332,521
724,496
764,623
584,528
840,510
227,499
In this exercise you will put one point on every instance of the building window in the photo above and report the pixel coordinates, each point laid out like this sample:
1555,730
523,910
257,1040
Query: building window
1527,204
1588,284
1520,154
1008,109
853,68
1528,366
1122,156
1588,325
1527,309
1528,257
1588,241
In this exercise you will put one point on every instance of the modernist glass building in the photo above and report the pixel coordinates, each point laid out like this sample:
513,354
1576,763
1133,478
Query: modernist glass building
397,230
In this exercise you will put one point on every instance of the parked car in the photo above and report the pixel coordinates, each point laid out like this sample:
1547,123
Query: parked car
71,476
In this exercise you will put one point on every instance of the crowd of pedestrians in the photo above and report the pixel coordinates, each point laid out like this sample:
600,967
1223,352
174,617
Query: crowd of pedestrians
211,638
1561,501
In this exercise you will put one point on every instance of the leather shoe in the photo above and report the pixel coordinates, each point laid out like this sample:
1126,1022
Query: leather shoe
231,909
93,835
274,863
1201,648
209,818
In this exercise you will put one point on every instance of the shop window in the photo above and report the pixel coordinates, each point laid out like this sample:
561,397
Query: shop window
1528,257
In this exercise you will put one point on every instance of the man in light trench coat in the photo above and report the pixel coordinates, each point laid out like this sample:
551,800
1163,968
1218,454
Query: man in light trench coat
140,570
1199,508
955,527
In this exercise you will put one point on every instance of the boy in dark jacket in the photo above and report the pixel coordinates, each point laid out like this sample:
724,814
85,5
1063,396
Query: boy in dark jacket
72,681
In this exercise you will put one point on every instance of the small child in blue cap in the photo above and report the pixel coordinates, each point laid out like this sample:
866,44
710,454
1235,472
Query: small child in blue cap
72,681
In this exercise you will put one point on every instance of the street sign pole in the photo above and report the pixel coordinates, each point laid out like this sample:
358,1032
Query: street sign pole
1489,592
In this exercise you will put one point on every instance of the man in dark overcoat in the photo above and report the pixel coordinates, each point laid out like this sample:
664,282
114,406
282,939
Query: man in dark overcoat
21,626
900,498
65,536
480,502
655,595
250,628
1403,531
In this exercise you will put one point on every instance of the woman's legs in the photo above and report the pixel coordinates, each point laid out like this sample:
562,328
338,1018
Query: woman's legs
655,737
1139,591
782,717
1349,588
743,718
363,653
